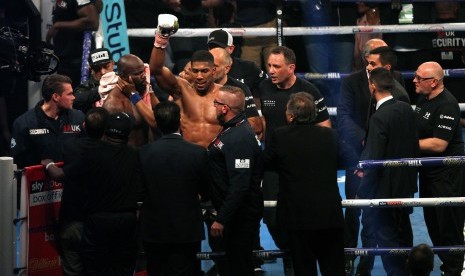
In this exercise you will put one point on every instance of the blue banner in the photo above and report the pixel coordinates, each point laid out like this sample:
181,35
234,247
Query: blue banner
115,33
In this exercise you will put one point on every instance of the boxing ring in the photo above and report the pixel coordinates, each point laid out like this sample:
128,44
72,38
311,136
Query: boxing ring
331,76
381,203
8,188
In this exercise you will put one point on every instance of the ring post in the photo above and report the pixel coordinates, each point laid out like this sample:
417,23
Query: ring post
7,214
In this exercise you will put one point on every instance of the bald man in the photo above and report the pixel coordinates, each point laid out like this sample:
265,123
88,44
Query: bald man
127,96
223,63
440,134
198,118
353,112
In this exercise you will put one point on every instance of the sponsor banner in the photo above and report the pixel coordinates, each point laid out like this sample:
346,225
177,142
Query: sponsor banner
44,198
114,28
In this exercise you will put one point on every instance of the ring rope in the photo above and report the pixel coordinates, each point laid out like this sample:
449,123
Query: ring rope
394,202
448,73
413,162
273,254
296,31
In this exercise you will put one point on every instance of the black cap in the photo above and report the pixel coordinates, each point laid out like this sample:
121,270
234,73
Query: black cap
220,38
119,125
99,56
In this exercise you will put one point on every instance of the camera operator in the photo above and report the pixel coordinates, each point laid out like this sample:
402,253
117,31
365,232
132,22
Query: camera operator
10,17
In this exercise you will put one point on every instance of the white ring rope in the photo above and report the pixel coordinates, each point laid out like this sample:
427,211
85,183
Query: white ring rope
295,31
333,110
394,202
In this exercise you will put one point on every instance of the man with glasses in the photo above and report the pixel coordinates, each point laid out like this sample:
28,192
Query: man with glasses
440,134
236,169
223,62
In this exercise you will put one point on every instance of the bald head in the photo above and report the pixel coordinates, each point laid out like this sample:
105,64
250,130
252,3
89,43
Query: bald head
372,44
432,69
128,64
221,55
223,61
428,79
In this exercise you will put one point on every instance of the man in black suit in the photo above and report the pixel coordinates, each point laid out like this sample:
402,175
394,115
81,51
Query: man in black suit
353,112
309,203
391,135
176,172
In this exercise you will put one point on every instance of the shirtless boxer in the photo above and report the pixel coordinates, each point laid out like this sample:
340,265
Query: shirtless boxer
127,95
198,116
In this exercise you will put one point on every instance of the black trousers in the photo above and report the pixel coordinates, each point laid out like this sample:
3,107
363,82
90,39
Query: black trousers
445,224
352,215
325,246
238,243
172,259
270,192
109,244
385,227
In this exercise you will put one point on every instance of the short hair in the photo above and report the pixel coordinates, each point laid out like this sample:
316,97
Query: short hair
382,78
203,56
371,45
54,84
168,117
96,121
289,55
302,106
386,55
239,103
420,260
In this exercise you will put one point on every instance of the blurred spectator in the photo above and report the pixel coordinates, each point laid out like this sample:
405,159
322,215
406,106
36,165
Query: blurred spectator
368,16
420,260
70,19
144,14
222,15
329,53
190,15
448,46
412,48
260,14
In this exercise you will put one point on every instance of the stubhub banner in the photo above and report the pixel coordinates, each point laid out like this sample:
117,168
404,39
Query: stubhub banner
115,33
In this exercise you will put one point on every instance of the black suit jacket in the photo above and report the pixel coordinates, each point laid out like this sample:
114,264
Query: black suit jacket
354,107
392,134
306,157
176,172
